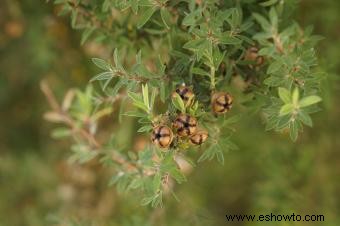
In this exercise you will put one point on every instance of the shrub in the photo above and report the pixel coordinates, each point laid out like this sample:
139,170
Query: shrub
187,71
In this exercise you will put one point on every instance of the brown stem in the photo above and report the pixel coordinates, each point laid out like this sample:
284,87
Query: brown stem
51,99
278,43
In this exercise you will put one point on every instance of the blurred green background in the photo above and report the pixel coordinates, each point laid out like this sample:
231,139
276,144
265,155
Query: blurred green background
268,174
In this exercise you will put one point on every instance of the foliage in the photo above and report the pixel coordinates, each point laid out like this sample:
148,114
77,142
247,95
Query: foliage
253,50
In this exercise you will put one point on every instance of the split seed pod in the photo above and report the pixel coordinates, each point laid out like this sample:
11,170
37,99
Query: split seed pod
162,136
199,137
221,102
252,55
185,93
185,125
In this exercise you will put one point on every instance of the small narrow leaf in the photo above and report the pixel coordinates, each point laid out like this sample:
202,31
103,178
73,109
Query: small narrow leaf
146,17
305,118
295,96
102,64
310,100
178,103
166,17
273,17
102,76
284,95
199,71
286,109
262,21
86,34
145,90
293,130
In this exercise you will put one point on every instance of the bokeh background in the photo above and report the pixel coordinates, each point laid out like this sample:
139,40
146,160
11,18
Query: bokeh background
268,174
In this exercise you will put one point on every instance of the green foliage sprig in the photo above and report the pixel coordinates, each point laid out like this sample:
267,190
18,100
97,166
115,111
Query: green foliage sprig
252,50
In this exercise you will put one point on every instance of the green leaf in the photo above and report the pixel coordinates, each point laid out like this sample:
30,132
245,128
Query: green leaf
86,34
195,44
283,122
229,40
134,6
147,200
218,57
138,101
262,21
135,114
305,118
102,76
162,91
293,130
74,16
284,95
82,153
269,3
156,182
147,14
135,97
145,128
117,61
209,153
61,133
106,5
135,183
273,17
178,103
220,157
199,71
191,18
177,175
102,64
232,120
145,90
274,67
119,84
153,97
286,109
310,100
166,17
295,96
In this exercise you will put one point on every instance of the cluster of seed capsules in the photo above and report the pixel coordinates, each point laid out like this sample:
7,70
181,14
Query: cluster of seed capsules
184,125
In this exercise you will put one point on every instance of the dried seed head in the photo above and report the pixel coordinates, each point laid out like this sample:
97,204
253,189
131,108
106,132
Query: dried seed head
162,136
185,125
199,137
221,102
252,55
185,93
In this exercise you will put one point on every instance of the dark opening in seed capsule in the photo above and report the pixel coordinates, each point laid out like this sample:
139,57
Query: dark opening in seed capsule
185,125
252,55
199,138
221,102
185,93
162,136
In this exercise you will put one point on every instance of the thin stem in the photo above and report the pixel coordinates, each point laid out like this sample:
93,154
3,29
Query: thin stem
212,78
68,120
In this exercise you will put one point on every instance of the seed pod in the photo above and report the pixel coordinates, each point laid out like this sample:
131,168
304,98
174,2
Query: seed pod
185,93
185,125
252,55
162,136
221,102
199,137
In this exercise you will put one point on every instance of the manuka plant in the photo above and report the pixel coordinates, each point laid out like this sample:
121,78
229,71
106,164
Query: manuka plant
177,69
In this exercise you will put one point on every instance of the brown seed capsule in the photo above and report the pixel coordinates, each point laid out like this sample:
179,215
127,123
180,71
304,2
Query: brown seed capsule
252,55
199,137
185,125
162,136
185,93
221,102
